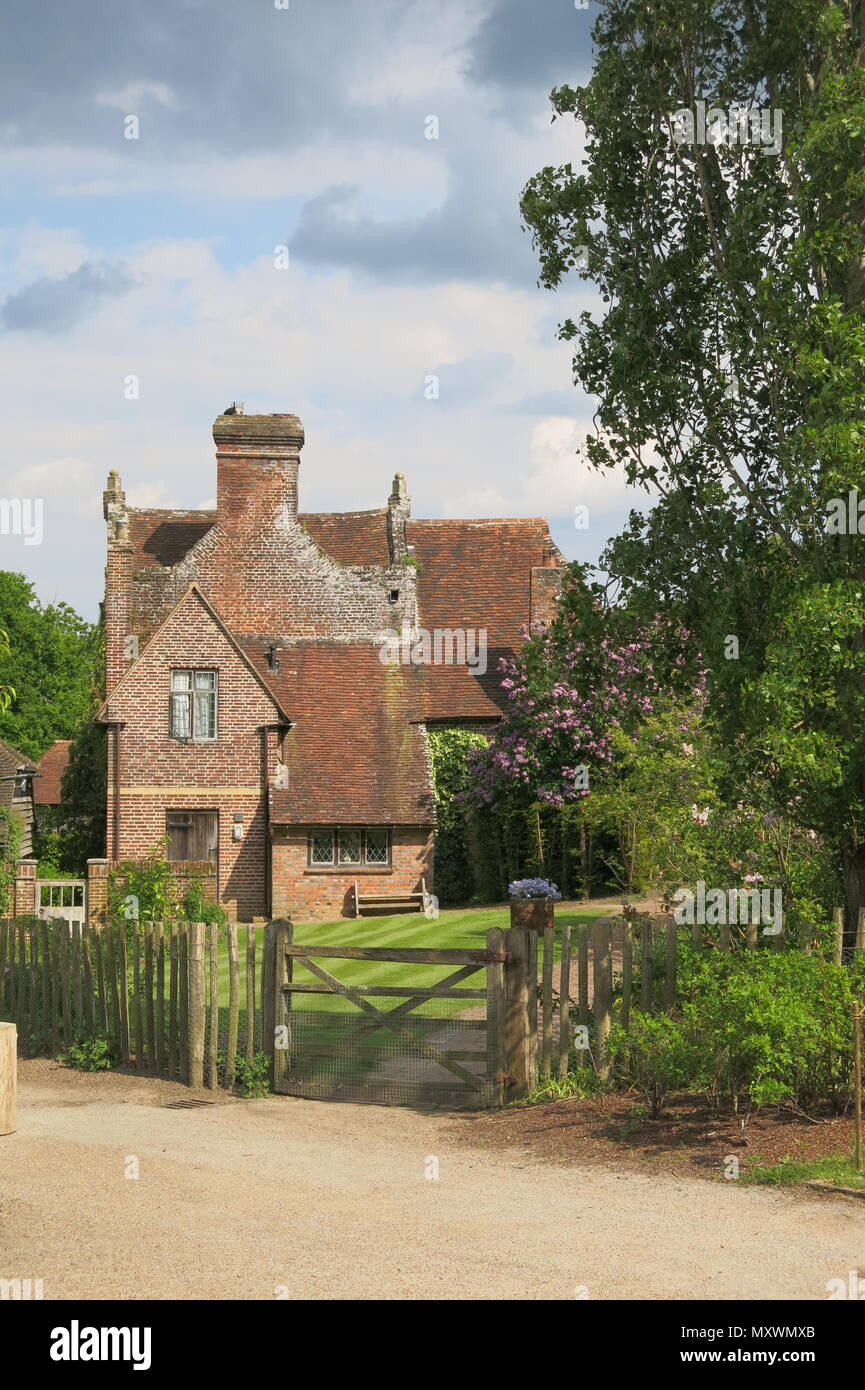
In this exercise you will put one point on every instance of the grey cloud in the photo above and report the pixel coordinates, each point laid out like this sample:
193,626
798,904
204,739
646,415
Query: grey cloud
474,235
54,303
535,44
241,77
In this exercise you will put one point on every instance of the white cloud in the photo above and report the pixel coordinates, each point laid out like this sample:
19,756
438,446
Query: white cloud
134,94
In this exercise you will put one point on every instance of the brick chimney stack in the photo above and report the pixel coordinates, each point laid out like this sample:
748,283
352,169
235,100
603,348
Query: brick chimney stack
118,582
257,463
398,513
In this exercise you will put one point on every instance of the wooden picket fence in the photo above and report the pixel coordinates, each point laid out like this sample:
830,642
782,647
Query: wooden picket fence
152,987
641,955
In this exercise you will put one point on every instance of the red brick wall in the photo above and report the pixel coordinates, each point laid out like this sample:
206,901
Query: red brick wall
157,774
24,888
318,894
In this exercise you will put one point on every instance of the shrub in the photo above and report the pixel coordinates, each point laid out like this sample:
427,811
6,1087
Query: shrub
90,1054
770,1025
254,1077
657,1055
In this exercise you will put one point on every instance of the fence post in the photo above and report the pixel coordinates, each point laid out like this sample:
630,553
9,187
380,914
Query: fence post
583,989
519,1000
8,1076
496,1053
268,999
860,929
547,1002
233,1006
602,946
196,1004
283,936
564,1003
670,972
838,943
627,972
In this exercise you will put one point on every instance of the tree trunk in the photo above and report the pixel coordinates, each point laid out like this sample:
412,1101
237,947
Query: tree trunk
853,875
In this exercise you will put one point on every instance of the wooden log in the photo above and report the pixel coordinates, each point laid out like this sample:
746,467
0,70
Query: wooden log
102,1003
496,1050
149,1001
77,984
21,971
564,1003
410,955
213,1036
66,1001
159,949
35,989
646,965
860,929
8,1077
726,939
250,993
583,991
857,1084
195,1074
627,972
183,999
112,996
281,1021
137,1017
670,964
45,951
87,970
268,1000
4,947
838,938
233,1006
752,930
123,989
547,1003
56,987
174,952
602,960
519,1000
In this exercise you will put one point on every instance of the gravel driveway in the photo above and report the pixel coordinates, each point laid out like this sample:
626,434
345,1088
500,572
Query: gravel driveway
301,1199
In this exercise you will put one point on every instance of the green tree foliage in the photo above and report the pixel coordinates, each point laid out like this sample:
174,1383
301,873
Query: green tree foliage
728,363
49,661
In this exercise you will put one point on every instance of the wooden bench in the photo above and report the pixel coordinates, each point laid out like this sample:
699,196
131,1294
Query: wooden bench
391,902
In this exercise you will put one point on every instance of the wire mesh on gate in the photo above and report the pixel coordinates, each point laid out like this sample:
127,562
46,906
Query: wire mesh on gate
429,1061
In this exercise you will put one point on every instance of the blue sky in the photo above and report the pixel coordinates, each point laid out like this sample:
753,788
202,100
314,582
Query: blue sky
306,127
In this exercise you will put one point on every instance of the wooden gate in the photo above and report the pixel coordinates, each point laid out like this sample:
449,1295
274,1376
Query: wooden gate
442,1045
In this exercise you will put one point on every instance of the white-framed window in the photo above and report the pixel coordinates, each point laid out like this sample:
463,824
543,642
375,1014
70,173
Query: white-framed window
193,706
350,848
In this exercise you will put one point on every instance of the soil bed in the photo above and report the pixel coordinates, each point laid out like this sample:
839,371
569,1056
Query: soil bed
692,1139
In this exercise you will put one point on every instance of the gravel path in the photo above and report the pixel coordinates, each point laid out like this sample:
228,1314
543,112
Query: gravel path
307,1200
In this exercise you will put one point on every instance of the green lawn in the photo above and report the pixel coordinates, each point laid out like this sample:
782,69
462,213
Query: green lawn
462,929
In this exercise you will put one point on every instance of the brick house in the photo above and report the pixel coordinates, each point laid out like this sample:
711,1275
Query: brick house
17,772
251,720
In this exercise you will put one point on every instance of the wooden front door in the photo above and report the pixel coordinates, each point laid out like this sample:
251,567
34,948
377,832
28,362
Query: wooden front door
193,835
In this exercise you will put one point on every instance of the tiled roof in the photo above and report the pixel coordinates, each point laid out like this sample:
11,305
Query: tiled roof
52,765
354,756
164,537
11,762
352,538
